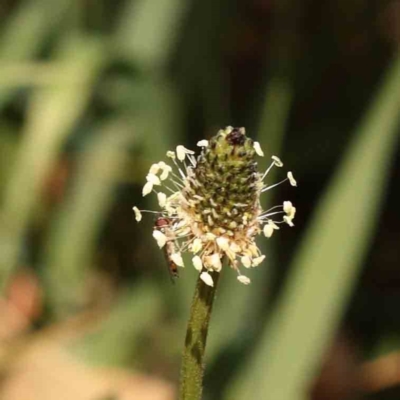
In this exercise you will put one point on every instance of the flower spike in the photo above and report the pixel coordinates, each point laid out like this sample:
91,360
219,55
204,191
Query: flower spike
211,203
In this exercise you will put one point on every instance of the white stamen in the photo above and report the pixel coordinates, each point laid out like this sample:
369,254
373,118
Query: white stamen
287,207
197,245
273,224
235,247
288,220
223,243
154,169
183,176
162,199
268,230
198,265
267,171
254,250
215,262
160,238
258,260
290,210
202,143
291,179
177,259
180,153
257,148
272,186
138,214
147,188
171,154
207,279
154,179
192,160
246,261
166,170
243,279
277,161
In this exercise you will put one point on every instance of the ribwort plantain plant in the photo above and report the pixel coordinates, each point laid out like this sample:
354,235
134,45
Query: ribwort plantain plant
212,203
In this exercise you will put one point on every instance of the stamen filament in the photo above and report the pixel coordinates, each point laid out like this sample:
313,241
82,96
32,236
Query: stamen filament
272,186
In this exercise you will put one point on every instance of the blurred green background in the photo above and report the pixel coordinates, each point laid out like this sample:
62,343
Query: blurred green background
92,92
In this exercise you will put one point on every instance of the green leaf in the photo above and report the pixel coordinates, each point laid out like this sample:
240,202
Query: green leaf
328,261
53,111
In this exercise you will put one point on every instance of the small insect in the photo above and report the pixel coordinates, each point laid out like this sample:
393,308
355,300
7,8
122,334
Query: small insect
163,224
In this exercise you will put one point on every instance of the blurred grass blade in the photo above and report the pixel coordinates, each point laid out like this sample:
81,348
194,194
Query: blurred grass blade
8,149
27,74
25,32
74,234
157,21
117,337
271,129
271,133
330,256
52,113
274,115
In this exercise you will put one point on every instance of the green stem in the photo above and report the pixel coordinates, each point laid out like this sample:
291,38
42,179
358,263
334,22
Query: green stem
192,370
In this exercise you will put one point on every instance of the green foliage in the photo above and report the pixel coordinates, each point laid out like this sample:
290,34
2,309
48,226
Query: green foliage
329,259
109,102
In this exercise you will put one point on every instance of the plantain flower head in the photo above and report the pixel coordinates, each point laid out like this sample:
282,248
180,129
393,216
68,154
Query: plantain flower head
212,203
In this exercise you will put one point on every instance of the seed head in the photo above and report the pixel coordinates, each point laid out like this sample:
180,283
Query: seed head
213,203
